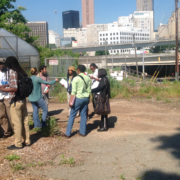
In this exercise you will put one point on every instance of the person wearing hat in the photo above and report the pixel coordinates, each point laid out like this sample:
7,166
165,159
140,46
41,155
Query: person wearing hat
70,76
4,103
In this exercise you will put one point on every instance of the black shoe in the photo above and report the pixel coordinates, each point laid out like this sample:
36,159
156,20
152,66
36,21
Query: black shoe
13,147
102,129
67,137
26,144
5,136
82,134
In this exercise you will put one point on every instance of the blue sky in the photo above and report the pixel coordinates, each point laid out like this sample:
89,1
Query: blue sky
106,11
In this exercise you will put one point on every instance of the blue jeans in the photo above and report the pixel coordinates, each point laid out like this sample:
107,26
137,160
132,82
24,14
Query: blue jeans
79,105
40,103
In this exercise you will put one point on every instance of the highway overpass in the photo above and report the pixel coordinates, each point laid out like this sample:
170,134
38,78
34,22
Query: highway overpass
123,46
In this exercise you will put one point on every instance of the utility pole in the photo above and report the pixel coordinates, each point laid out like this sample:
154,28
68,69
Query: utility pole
106,52
135,54
143,62
112,58
177,47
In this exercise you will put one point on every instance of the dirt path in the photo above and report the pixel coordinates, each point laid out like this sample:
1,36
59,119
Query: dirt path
143,143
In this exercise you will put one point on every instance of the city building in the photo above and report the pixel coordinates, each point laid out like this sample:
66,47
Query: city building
87,12
66,41
70,19
144,20
80,35
125,21
93,33
167,31
123,35
70,32
39,29
145,5
54,38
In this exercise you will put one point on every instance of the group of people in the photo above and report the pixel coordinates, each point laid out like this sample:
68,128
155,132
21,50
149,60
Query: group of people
13,108
81,86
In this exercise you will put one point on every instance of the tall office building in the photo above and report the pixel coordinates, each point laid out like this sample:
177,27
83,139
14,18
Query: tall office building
70,19
145,5
87,12
39,29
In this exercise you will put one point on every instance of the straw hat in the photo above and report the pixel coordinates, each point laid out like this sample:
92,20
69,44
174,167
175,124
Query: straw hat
71,68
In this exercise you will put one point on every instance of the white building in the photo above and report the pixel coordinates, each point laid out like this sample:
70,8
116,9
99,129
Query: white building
123,35
80,35
124,21
144,20
54,38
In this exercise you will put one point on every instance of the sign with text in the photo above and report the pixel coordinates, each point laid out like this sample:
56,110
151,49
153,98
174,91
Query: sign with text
53,62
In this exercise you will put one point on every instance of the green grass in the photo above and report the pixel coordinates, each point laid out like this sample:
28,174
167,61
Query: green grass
167,101
12,157
69,161
16,167
52,128
122,177
159,98
149,97
40,163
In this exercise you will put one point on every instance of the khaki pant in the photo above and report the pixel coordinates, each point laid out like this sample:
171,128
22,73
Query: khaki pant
5,119
19,116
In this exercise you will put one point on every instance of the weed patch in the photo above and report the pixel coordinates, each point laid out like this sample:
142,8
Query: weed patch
69,161
16,167
12,157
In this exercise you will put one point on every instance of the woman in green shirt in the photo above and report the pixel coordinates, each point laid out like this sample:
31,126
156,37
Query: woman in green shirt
37,100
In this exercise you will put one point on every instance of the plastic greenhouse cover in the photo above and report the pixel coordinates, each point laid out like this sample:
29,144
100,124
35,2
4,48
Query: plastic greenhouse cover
10,43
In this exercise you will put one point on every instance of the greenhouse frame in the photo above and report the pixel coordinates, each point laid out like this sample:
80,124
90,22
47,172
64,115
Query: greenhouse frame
12,45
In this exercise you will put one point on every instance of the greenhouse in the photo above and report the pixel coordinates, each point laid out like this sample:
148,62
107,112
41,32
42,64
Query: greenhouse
12,45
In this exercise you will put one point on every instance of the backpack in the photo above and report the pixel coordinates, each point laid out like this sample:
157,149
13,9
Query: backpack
25,87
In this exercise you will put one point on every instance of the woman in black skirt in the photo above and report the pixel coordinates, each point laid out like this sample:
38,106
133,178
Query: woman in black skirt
104,89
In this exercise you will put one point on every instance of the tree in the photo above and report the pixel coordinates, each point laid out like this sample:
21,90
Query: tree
101,53
5,5
14,22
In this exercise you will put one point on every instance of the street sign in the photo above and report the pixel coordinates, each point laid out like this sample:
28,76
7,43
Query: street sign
53,62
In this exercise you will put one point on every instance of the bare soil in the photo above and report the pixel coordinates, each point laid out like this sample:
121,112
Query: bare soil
136,126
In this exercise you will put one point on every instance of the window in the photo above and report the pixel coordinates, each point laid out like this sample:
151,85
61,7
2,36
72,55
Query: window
117,38
100,39
106,38
103,34
110,34
106,34
117,33
114,51
110,38
114,34
100,43
114,38
100,34
117,42
117,51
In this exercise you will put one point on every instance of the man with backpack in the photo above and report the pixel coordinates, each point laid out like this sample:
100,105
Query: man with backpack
20,87
81,90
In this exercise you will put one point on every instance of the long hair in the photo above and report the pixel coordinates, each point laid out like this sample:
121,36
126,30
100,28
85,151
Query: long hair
12,63
74,74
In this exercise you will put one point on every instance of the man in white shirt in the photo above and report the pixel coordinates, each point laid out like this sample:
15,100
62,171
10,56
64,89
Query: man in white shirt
4,103
95,81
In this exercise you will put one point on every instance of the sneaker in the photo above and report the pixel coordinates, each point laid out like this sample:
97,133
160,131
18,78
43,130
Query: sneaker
26,144
67,137
13,147
82,134
102,129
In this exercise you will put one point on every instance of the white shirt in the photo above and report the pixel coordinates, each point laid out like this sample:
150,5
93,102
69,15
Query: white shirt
95,83
3,95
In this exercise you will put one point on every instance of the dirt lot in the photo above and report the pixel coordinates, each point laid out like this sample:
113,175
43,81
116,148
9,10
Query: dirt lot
143,143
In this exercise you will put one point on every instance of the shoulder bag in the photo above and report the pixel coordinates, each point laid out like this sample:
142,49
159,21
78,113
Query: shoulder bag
102,105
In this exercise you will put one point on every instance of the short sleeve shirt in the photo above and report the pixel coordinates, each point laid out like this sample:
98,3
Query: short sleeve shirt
13,83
